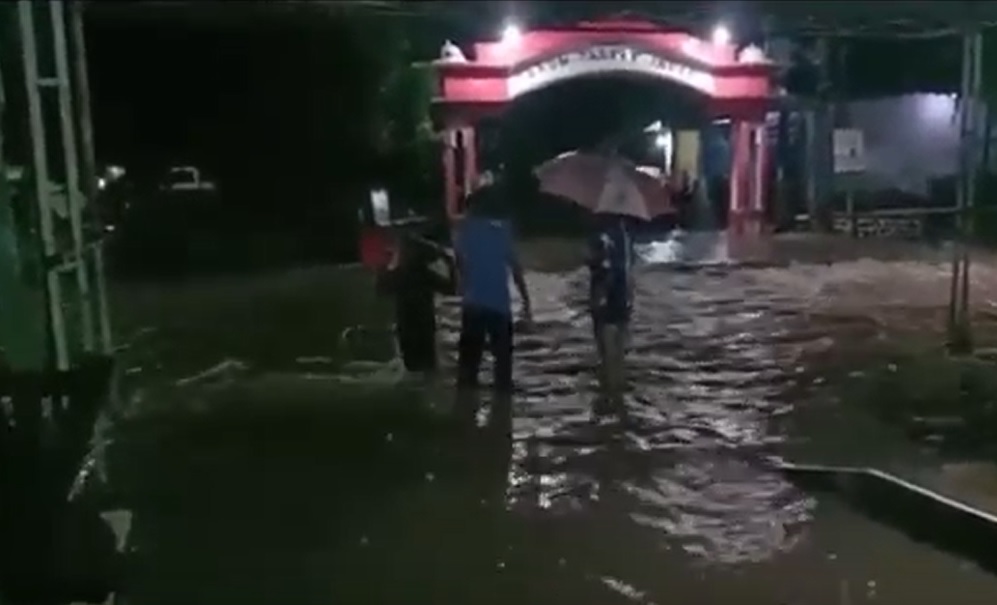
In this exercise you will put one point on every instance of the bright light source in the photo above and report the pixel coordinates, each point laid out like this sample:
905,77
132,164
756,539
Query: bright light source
721,35
511,34
654,127
666,144
936,110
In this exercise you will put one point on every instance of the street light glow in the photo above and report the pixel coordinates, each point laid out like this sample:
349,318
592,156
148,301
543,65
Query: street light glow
511,34
721,35
661,141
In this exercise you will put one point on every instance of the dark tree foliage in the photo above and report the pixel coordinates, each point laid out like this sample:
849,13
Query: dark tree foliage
325,100
871,68
295,115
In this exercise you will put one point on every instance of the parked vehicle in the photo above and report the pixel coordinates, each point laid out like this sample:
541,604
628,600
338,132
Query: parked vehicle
186,178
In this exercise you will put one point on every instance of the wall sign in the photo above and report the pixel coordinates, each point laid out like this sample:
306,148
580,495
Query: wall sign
849,150
604,60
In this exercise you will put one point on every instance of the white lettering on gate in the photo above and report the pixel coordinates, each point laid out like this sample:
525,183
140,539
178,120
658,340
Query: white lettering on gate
607,59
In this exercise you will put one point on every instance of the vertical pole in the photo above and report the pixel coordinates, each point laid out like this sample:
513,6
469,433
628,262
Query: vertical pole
88,163
959,324
739,175
976,112
972,169
782,213
470,148
986,125
853,224
955,337
810,171
40,173
820,125
733,201
760,171
450,193
74,193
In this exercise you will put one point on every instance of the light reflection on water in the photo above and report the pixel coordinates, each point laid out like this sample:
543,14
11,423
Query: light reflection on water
552,502
687,455
683,470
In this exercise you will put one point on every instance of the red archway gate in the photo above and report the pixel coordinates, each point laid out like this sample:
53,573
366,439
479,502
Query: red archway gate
734,84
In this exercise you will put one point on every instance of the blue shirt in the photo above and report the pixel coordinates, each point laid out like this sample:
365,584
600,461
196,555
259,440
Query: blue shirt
610,262
484,248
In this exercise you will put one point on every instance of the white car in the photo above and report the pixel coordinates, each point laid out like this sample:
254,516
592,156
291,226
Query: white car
185,178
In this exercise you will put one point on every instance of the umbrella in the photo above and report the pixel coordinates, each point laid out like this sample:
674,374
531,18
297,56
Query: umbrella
603,184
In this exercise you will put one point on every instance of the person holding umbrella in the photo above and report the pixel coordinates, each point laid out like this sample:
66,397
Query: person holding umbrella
619,196
611,261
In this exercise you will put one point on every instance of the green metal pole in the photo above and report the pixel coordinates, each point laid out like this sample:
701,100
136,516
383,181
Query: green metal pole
88,166
960,337
23,336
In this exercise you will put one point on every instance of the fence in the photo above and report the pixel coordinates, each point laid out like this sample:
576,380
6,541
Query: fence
52,548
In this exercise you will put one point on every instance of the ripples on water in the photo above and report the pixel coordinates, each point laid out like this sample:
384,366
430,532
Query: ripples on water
681,481
671,500
686,460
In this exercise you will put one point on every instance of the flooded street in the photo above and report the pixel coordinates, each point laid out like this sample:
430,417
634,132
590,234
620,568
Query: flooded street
285,479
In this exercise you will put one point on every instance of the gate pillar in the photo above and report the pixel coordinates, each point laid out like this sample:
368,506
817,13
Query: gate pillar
748,177
460,167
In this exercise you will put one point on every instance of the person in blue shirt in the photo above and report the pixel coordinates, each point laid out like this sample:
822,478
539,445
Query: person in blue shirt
611,258
486,255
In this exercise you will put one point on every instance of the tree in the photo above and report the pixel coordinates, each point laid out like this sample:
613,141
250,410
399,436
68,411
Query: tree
399,124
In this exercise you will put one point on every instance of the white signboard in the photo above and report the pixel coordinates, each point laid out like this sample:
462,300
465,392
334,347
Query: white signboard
381,206
603,60
849,150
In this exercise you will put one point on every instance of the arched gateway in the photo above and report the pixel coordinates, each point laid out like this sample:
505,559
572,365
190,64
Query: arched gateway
733,84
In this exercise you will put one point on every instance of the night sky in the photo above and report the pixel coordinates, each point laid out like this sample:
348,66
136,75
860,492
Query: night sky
293,95
283,108
244,100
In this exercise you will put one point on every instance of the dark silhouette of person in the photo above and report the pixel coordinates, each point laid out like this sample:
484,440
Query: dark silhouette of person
415,280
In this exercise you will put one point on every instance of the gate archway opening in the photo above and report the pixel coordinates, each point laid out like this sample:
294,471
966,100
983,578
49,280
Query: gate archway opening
734,84
662,127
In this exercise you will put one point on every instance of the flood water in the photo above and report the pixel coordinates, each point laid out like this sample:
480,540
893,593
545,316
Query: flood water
297,487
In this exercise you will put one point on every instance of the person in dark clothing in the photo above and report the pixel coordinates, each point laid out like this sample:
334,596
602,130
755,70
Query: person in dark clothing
415,283
486,255
684,198
611,258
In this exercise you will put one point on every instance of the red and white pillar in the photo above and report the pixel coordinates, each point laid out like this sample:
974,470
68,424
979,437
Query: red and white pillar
460,168
748,177
760,171
740,169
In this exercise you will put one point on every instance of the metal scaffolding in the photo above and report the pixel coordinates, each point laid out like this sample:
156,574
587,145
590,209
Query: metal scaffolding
58,258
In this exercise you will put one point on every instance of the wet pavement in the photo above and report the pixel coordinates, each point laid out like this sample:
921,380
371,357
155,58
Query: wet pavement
290,481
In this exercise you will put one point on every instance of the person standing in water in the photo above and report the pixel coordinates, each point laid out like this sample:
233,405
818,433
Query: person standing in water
486,255
414,282
610,264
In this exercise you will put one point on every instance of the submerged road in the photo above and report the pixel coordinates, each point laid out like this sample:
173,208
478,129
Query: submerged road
298,487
